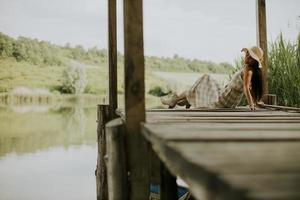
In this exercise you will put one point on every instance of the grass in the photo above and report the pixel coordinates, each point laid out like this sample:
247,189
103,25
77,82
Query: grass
284,71
22,74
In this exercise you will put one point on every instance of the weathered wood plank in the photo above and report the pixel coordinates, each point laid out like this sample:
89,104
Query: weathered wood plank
155,113
103,116
283,108
222,132
112,54
137,146
116,166
261,35
225,114
241,157
219,170
268,186
203,184
221,120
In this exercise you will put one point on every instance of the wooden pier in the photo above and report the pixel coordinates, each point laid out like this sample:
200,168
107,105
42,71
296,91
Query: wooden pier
230,155
222,154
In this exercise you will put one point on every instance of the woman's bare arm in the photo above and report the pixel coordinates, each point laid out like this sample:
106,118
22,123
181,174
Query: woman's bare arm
247,84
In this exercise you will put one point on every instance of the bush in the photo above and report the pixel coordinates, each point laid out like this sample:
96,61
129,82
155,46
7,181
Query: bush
75,80
158,91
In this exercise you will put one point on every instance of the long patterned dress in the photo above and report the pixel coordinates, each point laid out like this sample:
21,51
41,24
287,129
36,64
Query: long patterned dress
206,92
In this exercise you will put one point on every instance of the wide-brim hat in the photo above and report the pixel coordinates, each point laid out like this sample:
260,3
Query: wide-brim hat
256,53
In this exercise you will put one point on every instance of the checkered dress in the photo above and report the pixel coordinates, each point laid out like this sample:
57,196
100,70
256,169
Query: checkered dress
206,92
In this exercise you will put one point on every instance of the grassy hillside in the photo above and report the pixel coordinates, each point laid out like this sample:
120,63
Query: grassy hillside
39,64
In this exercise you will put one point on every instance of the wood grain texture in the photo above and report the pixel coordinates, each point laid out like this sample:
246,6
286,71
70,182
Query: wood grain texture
103,116
224,131
231,160
223,170
116,166
242,157
112,54
137,146
261,35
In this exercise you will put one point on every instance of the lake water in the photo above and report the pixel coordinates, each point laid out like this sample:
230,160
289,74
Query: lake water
180,81
47,153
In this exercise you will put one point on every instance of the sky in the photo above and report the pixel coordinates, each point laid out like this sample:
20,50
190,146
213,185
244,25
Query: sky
212,30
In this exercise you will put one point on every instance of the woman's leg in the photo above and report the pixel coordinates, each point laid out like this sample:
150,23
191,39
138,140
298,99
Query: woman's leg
182,100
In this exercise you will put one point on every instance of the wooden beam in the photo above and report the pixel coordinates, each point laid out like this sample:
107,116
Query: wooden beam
112,54
116,167
137,147
103,116
261,35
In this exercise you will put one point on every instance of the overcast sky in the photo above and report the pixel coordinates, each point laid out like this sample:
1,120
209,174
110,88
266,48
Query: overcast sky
205,29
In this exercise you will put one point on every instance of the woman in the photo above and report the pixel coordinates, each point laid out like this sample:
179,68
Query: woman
207,93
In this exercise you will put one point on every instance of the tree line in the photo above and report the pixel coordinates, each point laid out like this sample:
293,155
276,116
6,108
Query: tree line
44,53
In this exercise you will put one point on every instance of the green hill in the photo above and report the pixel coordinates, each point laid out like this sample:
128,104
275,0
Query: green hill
40,64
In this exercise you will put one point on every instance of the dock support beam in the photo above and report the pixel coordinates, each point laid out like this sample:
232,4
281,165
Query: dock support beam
103,116
261,35
136,145
116,166
112,55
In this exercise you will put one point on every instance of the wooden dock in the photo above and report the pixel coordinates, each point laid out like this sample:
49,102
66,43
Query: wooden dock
230,155
222,154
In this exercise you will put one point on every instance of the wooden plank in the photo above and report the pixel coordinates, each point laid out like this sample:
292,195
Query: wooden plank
235,170
261,118
206,113
116,167
218,120
263,157
103,116
202,183
284,108
223,132
261,34
268,186
226,114
137,147
112,54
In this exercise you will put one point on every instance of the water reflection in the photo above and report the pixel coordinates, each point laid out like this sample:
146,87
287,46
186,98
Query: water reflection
58,173
22,131
47,152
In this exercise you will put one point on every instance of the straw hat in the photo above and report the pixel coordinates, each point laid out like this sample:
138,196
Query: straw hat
257,54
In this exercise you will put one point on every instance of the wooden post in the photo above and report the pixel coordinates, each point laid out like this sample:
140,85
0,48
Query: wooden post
168,184
112,55
116,168
261,35
103,116
272,99
137,147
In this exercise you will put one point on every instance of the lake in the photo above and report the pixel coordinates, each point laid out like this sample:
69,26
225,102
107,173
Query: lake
47,152
180,81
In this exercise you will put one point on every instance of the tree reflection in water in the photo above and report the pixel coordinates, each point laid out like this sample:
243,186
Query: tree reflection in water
24,130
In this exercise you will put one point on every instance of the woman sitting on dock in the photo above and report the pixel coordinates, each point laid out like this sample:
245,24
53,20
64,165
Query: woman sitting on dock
206,91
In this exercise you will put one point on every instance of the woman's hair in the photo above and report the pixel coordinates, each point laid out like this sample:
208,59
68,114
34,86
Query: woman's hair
256,80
